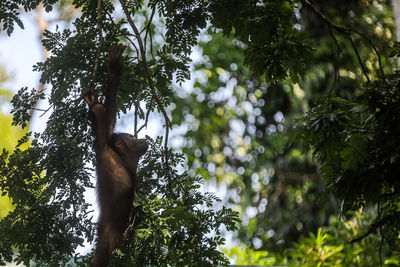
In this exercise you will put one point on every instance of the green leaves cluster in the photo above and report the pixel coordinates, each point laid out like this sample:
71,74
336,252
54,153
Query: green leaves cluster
325,247
274,47
356,143
10,12
50,218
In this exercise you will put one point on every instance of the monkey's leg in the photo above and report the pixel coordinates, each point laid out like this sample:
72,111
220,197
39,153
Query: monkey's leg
108,240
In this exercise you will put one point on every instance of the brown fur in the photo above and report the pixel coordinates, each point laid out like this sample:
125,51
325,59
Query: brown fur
117,157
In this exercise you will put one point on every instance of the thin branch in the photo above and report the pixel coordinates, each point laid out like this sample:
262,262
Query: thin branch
38,109
77,135
335,78
100,32
347,33
147,116
339,51
148,76
151,44
359,58
376,225
134,45
45,111
42,25
153,11
125,34
333,37
370,231
147,28
376,52
137,108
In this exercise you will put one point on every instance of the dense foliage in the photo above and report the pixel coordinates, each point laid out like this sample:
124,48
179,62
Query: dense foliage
9,137
263,65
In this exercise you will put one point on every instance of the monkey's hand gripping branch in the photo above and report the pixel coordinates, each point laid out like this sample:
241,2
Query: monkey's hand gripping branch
90,95
115,67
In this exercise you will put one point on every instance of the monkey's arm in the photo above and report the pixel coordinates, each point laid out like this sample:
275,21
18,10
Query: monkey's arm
99,125
97,116
115,68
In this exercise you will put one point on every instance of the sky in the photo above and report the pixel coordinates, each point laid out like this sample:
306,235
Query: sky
18,53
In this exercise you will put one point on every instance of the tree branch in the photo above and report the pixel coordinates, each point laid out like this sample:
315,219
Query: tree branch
42,25
148,76
137,107
148,31
376,225
359,58
347,33
100,32
147,116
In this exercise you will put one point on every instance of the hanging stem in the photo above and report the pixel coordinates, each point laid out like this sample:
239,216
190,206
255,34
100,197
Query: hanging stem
100,32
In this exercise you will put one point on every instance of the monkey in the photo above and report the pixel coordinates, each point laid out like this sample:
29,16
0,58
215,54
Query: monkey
117,157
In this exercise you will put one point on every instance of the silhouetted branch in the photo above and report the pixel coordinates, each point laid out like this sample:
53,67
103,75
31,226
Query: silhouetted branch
347,33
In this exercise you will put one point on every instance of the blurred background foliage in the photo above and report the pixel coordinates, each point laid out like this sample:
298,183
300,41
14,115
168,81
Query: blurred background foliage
239,130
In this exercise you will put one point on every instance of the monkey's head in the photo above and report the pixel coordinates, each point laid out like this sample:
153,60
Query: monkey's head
126,145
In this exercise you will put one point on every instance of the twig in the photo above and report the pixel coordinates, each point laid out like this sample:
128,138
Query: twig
134,45
339,51
333,37
90,85
147,28
137,107
370,231
147,116
45,111
151,45
376,225
153,11
77,135
124,33
335,78
100,32
376,52
359,58
42,25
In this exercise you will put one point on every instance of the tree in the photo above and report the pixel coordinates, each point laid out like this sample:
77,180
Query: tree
46,182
